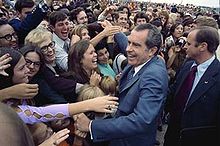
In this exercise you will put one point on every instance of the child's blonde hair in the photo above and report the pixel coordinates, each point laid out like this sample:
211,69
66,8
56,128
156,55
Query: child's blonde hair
89,92
108,85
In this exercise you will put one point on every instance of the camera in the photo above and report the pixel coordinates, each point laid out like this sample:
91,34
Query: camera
180,42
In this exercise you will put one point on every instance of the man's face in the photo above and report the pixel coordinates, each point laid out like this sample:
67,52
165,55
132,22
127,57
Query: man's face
192,50
137,51
8,37
122,19
141,21
82,18
62,29
24,12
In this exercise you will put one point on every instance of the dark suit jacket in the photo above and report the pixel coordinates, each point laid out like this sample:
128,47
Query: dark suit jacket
200,120
141,100
22,28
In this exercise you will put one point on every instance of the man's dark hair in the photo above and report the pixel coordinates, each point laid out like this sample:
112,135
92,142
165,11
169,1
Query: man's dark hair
121,8
3,22
206,21
141,15
154,37
57,16
75,12
209,35
116,14
20,4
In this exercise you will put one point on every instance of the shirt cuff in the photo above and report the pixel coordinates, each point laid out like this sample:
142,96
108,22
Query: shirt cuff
78,87
90,129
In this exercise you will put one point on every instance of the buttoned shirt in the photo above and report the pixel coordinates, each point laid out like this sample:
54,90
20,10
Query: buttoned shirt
61,52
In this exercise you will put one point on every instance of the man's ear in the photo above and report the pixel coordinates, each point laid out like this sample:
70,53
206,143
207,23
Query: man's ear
152,51
203,46
52,28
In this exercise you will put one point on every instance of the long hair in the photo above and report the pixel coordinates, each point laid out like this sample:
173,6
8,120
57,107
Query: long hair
75,57
78,30
6,81
30,48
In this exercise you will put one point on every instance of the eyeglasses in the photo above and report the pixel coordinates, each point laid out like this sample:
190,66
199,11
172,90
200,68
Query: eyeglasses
44,49
2,14
8,37
29,62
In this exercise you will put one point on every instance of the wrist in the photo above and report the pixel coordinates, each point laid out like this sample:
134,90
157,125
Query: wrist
103,34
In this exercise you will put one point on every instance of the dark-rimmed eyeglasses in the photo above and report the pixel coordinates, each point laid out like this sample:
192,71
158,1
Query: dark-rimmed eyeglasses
8,37
29,62
44,49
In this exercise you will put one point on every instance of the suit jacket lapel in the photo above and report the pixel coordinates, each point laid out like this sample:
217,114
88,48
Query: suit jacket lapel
130,83
183,77
205,82
123,86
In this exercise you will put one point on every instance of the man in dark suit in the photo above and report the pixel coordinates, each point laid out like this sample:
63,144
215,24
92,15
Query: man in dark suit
197,123
142,91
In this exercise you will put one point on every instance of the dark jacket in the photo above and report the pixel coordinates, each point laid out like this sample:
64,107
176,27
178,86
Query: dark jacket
200,120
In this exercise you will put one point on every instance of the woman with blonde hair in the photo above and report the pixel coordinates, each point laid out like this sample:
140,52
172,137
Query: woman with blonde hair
81,30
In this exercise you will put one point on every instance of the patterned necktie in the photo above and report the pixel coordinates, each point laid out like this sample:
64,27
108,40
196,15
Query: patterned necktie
130,74
184,92
66,46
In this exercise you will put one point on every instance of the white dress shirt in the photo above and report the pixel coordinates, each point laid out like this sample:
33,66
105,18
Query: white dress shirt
61,52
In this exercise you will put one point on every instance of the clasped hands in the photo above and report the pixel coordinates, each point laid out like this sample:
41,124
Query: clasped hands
82,122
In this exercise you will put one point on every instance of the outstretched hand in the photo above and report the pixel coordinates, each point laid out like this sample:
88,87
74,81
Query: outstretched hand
23,90
3,64
56,138
103,104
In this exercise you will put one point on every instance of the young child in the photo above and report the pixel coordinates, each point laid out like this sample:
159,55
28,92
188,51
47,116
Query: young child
88,92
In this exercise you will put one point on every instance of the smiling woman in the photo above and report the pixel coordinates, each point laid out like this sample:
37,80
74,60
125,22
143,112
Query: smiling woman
18,73
82,61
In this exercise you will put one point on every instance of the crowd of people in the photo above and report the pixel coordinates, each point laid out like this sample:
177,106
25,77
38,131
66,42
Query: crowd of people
101,73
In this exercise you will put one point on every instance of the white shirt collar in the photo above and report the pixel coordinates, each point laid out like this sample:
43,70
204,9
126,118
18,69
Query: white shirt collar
201,68
137,68
58,40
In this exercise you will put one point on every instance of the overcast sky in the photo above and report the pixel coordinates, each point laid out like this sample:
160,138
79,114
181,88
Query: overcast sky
210,3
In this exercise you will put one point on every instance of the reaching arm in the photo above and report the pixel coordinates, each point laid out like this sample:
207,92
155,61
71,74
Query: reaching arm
31,114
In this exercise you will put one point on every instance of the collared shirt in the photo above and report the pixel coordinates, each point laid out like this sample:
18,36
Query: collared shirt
136,69
61,53
106,70
201,68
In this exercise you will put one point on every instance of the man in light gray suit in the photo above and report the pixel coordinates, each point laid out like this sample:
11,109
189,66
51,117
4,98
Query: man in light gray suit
142,91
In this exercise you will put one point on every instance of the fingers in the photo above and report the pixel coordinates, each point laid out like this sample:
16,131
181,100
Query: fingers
60,136
31,90
3,72
80,133
3,67
32,86
113,30
5,59
111,98
111,109
3,64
